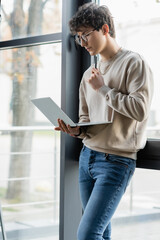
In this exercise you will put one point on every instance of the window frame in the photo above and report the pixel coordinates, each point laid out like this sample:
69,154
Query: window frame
31,41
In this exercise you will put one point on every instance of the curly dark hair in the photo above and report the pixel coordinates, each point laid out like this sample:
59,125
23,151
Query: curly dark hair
92,15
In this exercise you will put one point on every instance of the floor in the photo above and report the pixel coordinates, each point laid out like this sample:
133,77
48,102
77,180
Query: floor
146,230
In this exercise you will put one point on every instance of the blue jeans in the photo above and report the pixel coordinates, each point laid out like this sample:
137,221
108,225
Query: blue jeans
102,181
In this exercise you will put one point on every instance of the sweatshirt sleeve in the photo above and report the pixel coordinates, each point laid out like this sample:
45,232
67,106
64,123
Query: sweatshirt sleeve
139,87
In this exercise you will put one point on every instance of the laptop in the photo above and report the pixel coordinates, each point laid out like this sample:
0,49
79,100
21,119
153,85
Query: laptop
52,112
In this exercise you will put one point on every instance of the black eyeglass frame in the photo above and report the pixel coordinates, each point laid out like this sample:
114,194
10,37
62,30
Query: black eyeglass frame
78,39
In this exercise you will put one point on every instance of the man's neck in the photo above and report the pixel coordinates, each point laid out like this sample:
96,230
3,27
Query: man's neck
110,51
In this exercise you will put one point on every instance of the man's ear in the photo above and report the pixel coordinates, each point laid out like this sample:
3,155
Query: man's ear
105,29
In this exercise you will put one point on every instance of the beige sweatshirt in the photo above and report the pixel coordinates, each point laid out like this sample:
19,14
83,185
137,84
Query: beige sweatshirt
125,98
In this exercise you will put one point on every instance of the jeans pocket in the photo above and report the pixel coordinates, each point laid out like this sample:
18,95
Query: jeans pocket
116,160
116,172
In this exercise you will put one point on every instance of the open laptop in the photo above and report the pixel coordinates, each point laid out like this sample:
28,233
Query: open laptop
52,111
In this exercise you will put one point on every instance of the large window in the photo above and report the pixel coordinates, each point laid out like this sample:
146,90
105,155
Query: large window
137,29
30,149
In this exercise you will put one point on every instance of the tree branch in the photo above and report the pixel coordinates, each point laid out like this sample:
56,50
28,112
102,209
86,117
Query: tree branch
5,15
44,3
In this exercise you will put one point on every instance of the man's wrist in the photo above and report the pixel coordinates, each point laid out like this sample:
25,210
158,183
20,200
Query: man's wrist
100,87
80,131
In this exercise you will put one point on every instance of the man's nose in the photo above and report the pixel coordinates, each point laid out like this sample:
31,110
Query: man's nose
83,43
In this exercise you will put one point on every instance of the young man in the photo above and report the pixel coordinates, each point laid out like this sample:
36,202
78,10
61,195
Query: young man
119,89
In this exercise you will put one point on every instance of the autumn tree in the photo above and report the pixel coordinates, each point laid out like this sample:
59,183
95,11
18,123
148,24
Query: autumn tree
24,80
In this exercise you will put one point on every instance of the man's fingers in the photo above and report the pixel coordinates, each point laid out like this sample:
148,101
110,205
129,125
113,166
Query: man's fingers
73,130
60,125
63,126
57,128
95,70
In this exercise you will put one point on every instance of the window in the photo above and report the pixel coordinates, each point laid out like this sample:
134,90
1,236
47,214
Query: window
30,18
30,149
137,27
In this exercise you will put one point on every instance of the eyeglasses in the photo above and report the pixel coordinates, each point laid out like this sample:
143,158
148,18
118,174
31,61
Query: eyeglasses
83,37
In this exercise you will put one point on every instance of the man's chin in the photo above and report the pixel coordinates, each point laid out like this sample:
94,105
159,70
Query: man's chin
92,53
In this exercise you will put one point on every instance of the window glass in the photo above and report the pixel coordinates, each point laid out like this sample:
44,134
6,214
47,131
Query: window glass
30,149
138,215
27,73
29,18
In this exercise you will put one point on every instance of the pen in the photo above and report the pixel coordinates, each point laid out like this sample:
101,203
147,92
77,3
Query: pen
95,61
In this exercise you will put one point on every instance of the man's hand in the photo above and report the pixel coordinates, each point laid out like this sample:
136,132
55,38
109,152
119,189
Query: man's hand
96,80
72,131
